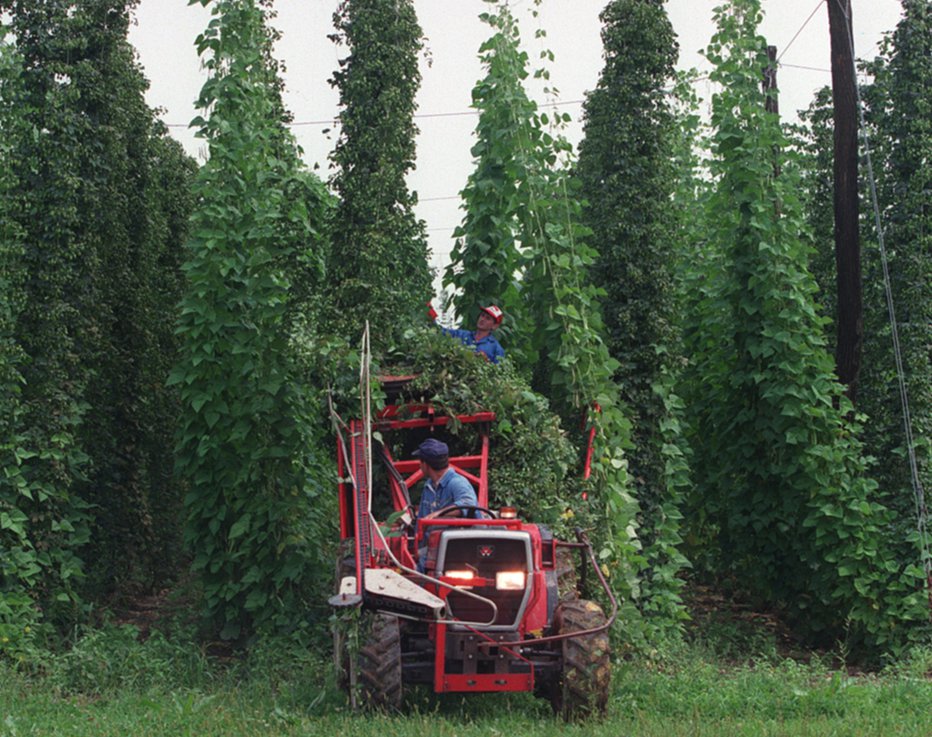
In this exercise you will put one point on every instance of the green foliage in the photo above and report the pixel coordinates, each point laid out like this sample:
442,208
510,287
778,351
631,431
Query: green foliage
531,461
378,267
19,565
164,687
522,186
899,113
95,212
486,256
247,447
135,195
51,129
116,658
691,192
899,138
565,330
781,476
150,357
627,180
818,188
661,582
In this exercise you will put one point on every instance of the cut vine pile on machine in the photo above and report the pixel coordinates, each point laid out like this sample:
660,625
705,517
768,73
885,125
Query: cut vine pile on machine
484,602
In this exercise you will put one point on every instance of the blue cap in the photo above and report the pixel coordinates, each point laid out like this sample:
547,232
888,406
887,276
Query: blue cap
432,449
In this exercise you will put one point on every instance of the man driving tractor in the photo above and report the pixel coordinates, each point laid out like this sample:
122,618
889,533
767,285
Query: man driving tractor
443,487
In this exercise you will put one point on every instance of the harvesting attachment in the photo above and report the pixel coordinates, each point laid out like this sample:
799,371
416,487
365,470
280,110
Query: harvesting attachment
483,602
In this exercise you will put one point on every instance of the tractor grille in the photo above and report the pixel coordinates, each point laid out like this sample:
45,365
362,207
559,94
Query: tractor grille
487,553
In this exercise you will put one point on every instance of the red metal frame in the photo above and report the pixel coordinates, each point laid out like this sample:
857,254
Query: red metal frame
449,682
370,549
353,515
391,418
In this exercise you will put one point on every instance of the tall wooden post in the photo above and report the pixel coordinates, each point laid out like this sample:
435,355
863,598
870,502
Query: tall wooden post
771,101
849,320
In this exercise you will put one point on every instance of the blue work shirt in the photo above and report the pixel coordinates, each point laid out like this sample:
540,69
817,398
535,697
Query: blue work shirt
452,489
488,345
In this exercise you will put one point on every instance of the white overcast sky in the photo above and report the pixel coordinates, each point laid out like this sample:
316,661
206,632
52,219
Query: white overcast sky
165,30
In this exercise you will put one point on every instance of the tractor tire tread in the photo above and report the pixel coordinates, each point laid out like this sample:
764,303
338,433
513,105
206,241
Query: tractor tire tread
583,687
380,665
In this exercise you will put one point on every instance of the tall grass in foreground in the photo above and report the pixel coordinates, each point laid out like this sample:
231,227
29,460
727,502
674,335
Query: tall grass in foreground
110,684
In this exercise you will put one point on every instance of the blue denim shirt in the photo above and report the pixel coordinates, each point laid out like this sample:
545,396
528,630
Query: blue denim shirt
488,345
451,489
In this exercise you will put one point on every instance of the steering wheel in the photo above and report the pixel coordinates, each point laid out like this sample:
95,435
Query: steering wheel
448,511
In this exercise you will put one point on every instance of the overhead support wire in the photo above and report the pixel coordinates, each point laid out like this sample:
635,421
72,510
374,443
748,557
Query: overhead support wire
801,29
418,116
808,68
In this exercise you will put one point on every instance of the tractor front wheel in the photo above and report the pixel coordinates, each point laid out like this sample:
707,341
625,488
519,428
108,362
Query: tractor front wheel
380,665
582,686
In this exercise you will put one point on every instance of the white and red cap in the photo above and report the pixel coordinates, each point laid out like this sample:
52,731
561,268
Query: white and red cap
494,312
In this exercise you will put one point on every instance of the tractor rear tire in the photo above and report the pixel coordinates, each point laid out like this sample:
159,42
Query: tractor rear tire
581,689
567,578
380,665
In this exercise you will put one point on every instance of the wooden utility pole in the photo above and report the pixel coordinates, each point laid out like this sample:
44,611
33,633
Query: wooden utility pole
850,328
771,101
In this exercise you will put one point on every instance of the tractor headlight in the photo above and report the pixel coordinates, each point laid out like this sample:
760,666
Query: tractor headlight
509,580
465,575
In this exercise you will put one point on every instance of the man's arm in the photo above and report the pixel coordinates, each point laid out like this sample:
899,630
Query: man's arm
463,493
463,335
452,332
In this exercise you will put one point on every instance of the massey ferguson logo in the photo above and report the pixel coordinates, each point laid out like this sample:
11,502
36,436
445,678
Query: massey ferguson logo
486,551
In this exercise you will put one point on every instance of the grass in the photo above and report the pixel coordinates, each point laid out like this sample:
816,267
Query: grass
110,684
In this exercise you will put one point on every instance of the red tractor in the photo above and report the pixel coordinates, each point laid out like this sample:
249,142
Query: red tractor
483,602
